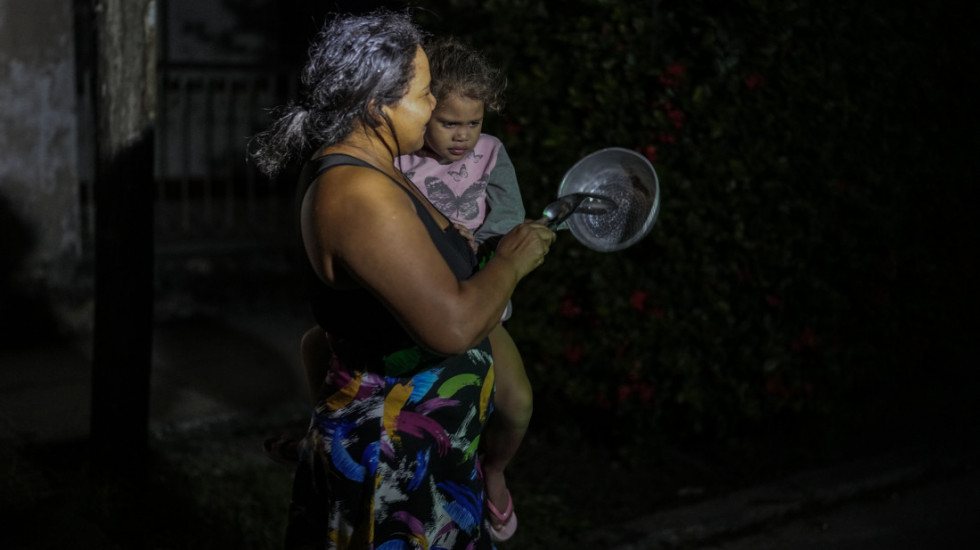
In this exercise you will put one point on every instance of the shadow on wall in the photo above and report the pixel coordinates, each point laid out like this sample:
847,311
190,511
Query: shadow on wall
26,317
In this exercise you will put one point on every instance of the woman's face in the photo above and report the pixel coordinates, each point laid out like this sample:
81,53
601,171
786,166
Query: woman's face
455,128
411,114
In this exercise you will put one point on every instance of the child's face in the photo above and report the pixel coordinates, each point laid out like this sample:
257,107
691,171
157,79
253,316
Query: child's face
454,128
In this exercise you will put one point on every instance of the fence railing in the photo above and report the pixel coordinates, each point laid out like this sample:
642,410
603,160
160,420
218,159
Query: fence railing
208,197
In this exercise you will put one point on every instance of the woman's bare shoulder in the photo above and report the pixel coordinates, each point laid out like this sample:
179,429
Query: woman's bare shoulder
350,189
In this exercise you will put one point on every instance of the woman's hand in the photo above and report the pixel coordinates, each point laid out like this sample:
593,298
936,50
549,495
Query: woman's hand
525,246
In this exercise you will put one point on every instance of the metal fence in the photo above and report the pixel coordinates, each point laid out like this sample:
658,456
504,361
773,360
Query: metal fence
208,197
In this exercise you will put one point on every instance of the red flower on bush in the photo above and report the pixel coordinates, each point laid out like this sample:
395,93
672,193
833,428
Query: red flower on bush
634,386
513,128
623,393
754,81
676,117
773,300
807,339
842,187
621,350
645,393
638,299
672,77
569,309
573,353
880,298
775,386
650,152
676,69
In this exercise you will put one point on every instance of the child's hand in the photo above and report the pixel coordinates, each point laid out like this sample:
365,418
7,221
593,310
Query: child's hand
468,234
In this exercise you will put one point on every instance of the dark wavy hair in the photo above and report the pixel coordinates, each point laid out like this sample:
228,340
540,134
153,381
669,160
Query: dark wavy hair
457,69
357,65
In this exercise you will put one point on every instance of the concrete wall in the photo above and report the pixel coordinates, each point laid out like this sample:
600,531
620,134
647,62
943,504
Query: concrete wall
47,146
39,160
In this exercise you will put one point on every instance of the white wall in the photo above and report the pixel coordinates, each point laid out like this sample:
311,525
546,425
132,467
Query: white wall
39,163
43,159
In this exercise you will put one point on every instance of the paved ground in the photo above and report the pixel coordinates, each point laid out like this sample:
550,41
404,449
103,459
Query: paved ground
894,501
210,370
940,512
204,369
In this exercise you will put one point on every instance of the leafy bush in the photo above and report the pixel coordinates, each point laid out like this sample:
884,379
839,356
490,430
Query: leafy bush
776,289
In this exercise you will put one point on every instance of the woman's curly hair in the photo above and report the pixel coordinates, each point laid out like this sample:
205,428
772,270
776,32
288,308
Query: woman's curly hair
357,65
459,70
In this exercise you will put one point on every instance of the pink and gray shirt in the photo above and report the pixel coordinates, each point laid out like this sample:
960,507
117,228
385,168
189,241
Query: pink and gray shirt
479,191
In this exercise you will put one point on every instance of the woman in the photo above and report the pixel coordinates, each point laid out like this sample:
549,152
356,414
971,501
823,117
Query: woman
391,453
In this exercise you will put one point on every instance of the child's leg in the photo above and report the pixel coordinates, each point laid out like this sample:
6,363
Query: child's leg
316,355
512,405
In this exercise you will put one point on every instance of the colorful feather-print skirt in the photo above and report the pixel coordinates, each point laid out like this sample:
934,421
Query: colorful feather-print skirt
390,461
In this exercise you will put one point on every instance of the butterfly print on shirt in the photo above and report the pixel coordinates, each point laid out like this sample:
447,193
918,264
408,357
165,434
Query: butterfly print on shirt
461,207
459,174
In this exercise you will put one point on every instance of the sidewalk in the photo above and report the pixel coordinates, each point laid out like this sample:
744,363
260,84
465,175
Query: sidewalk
808,499
204,369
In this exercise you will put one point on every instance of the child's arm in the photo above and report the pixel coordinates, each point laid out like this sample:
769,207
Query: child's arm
505,208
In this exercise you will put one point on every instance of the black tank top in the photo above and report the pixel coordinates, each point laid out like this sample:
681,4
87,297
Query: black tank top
355,315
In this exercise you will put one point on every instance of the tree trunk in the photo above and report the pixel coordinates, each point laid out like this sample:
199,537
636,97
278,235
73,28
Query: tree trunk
125,80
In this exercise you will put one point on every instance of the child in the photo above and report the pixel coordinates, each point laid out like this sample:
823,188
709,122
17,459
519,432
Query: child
468,176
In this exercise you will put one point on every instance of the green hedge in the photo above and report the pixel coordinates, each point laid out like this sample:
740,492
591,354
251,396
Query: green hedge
806,150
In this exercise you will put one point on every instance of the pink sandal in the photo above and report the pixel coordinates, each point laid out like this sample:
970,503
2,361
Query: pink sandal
507,521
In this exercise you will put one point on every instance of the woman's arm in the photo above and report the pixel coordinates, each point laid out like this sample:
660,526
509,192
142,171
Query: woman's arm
356,223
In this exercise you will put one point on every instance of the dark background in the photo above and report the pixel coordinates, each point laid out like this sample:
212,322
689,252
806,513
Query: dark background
807,293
